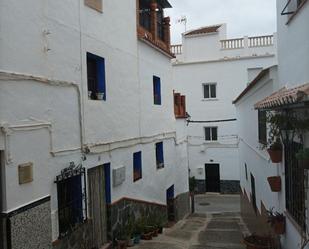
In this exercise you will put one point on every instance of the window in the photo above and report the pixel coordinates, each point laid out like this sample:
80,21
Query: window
210,91
159,155
179,105
96,77
71,199
144,14
211,133
262,129
156,90
137,166
246,171
295,184
253,195
94,4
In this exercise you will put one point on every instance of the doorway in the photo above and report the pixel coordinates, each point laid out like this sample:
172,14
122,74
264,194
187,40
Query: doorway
212,177
170,201
97,205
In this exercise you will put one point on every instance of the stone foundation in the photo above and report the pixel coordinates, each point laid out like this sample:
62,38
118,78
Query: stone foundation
30,226
226,187
122,210
80,238
229,187
182,205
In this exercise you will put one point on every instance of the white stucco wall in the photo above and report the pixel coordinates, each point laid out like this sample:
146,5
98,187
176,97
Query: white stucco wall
293,46
50,39
231,78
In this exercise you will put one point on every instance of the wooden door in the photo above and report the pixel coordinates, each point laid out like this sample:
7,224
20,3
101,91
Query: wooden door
97,205
212,175
170,200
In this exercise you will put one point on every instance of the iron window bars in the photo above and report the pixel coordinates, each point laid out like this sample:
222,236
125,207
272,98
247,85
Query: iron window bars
71,192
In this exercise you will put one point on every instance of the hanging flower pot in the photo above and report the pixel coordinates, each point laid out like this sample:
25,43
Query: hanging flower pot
100,96
275,152
259,242
277,221
274,183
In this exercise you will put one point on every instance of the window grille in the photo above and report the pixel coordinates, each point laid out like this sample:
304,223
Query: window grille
294,184
71,193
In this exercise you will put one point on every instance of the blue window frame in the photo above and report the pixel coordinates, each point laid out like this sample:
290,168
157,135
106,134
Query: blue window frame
156,90
107,174
137,166
96,77
159,155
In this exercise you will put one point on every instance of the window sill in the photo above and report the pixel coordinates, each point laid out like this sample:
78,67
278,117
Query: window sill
160,167
211,142
210,99
137,179
296,12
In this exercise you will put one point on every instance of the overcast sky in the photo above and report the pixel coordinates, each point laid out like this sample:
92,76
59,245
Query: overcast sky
243,17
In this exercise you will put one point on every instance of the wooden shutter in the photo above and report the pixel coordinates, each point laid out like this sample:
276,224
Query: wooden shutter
95,4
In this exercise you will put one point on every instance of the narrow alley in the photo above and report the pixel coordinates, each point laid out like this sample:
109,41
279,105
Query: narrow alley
216,224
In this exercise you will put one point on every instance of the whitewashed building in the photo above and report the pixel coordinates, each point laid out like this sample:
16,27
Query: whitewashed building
281,90
211,70
88,131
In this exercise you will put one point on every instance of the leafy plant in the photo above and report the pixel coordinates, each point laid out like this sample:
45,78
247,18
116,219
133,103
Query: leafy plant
192,184
274,217
303,154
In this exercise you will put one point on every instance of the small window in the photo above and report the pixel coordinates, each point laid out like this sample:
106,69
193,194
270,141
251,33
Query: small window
262,127
211,133
156,90
159,155
210,91
96,77
246,171
70,201
137,166
94,4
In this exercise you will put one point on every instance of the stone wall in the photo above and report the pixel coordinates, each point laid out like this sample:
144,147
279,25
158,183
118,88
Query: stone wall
182,205
226,187
30,226
121,211
80,238
229,187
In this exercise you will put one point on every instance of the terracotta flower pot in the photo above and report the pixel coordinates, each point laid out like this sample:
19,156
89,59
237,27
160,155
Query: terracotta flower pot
304,163
259,242
122,244
275,155
279,227
147,236
274,183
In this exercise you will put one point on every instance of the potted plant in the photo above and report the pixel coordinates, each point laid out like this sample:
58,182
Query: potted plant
100,96
274,183
277,221
89,94
129,232
303,158
138,228
275,151
259,242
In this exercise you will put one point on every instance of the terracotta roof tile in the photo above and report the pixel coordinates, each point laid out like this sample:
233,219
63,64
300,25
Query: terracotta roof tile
204,30
285,96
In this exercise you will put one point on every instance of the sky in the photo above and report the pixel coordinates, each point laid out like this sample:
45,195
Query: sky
243,17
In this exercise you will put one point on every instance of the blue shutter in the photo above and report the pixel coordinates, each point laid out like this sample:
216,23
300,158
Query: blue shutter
101,75
137,163
107,173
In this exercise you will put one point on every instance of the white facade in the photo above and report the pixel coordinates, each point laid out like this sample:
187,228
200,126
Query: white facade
46,117
293,62
230,64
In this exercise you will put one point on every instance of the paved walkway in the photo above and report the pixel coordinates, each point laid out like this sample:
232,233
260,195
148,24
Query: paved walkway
215,225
